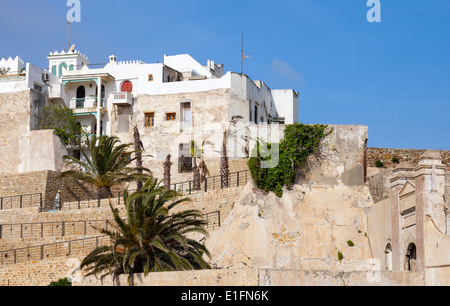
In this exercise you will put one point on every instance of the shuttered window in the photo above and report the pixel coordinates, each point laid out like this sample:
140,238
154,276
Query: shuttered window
127,86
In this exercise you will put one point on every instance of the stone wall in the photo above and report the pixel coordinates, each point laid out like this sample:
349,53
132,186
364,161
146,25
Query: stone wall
25,183
15,121
306,229
46,183
412,156
168,135
222,200
41,273
21,144
263,277
340,161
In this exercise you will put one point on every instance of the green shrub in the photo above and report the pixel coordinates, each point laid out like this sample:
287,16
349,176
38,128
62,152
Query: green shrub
299,142
340,256
62,121
64,282
395,160
379,164
350,243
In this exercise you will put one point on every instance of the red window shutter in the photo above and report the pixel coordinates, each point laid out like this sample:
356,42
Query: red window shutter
127,87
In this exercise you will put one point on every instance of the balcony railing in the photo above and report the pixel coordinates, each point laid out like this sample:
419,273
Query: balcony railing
89,102
121,98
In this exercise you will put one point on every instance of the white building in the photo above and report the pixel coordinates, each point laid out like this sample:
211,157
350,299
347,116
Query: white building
169,102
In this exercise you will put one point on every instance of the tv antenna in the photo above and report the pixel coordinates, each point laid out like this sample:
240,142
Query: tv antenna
244,56
68,35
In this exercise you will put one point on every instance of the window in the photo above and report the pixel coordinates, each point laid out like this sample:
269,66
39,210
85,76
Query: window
411,257
54,68
103,91
184,159
149,119
186,115
81,95
171,116
127,86
61,66
150,77
388,257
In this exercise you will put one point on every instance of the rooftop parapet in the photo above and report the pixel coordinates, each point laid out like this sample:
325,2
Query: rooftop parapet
12,66
64,53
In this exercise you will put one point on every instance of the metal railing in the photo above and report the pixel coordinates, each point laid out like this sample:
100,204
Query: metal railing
51,229
85,102
211,183
72,247
212,219
22,201
60,249
73,228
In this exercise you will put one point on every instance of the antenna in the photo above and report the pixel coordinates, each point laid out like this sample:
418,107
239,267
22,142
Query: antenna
68,35
243,56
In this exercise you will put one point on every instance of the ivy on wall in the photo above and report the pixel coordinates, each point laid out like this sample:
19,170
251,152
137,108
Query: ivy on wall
299,142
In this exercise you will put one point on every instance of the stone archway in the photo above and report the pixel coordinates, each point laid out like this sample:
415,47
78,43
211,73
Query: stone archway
411,258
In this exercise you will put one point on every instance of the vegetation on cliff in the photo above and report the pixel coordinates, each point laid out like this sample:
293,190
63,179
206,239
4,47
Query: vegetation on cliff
274,165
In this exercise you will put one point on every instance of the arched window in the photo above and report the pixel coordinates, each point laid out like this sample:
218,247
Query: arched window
388,257
54,70
81,95
71,67
61,66
411,258
127,86
103,91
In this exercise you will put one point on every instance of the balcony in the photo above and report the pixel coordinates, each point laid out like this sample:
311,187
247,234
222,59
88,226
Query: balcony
89,102
121,98
86,105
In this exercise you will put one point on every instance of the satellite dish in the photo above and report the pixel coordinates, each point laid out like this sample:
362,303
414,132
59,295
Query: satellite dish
72,48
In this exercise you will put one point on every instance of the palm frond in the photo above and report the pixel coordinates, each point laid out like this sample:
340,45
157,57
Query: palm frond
151,238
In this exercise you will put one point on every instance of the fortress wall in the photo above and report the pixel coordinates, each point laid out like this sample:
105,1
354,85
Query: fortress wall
41,273
412,156
30,185
21,144
263,277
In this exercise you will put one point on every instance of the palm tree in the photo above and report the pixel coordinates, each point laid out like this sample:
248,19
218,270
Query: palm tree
150,238
138,147
195,171
104,163
224,164
224,167
200,171
167,165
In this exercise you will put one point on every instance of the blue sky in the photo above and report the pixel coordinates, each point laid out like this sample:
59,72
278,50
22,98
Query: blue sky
393,76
